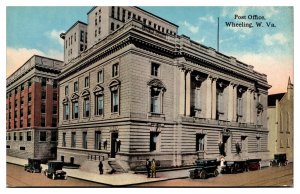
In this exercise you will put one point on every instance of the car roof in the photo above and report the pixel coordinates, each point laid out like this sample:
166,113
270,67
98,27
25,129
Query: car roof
55,161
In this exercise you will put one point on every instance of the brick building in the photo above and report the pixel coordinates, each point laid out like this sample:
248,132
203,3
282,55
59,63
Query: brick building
32,109
142,91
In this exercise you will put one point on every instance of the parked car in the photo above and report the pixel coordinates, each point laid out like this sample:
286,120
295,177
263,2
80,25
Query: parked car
34,165
234,166
279,160
204,168
55,170
253,164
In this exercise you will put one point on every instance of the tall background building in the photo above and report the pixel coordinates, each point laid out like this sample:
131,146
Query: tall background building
32,109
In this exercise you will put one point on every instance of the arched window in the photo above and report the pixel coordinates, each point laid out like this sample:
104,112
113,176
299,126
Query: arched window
86,103
115,93
75,111
99,100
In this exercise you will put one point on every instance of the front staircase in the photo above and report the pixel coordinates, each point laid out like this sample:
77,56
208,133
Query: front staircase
116,168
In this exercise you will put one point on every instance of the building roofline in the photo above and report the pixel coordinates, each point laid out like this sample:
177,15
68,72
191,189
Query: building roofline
29,60
91,10
156,16
78,22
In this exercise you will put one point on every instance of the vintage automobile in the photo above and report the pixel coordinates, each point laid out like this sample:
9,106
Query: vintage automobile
253,164
34,165
55,170
279,160
204,168
234,167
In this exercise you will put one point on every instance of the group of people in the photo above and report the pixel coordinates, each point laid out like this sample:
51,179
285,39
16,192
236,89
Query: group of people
151,167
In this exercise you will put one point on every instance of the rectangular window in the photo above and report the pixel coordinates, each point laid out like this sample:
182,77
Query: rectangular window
43,108
112,26
54,83
29,97
22,148
22,100
15,136
54,122
155,100
21,112
28,122
75,110
66,90
97,140
73,139
86,82
115,101
44,81
81,47
84,140
154,69
76,86
86,107
115,70
28,136
55,96
100,76
96,22
54,111
64,140
134,16
154,140
53,135
29,82
29,110
149,23
43,95
43,121
16,102
43,135
199,142
81,36
96,33
9,137
99,105
22,87
66,111
75,37
129,15
21,136
145,21
123,16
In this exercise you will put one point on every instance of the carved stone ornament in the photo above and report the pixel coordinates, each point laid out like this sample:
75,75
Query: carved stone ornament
98,90
74,97
157,84
85,93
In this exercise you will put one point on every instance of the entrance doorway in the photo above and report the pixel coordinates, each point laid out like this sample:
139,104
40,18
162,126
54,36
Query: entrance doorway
113,145
226,144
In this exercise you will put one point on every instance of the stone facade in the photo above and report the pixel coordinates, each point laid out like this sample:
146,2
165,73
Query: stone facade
280,123
162,96
31,107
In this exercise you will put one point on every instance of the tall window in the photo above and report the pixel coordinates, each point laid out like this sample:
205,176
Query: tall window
154,141
115,70
66,111
21,136
28,136
84,140
97,140
258,143
43,121
86,82
99,105
86,107
75,86
43,95
73,139
53,136
115,101
81,35
22,87
66,90
64,140
199,142
54,122
112,26
43,136
28,122
15,136
240,106
100,76
75,110
154,69
155,100
44,81
43,108
220,102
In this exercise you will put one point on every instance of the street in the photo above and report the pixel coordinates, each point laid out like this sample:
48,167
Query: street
272,176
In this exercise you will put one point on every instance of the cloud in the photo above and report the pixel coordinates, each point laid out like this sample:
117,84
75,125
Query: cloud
16,57
190,27
278,68
55,36
277,38
207,19
270,11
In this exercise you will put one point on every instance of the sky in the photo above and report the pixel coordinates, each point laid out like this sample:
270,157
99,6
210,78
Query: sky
35,30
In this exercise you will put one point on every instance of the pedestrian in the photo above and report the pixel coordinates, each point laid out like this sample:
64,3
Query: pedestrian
105,144
100,167
118,145
148,167
153,168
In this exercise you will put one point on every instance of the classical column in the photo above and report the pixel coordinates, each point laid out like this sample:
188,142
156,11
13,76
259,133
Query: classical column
214,98
252,106
188,93
208,97
181,91
230,102
234,103
248,106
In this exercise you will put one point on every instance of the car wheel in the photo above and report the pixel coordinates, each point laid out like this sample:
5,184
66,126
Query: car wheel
66,176
46,173
192,175
202,174
232,171
53,176
285,163
216,173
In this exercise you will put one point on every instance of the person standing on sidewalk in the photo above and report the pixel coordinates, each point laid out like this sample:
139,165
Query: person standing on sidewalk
148,167
100,167
153,168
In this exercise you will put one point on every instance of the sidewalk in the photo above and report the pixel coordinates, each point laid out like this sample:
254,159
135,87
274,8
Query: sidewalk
124,179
